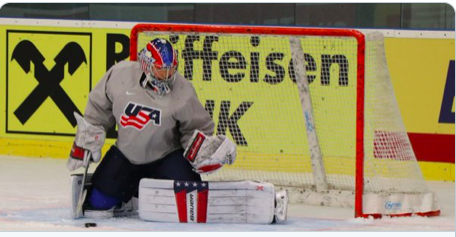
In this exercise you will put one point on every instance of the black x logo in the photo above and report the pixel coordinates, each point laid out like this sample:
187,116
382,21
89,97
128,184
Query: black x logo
49,81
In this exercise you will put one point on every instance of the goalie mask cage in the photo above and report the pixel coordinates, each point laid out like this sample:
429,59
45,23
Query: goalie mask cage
311,110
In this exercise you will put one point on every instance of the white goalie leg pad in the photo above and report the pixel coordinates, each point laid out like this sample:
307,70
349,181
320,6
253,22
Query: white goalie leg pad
207,202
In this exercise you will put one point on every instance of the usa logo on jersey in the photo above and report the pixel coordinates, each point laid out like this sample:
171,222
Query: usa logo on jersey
139,116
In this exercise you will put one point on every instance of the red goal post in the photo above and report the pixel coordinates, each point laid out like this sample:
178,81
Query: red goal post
360,53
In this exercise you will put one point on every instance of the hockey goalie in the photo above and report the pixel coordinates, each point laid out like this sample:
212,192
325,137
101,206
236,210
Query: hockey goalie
148,171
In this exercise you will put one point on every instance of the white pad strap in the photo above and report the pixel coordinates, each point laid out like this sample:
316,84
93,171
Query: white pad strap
206,202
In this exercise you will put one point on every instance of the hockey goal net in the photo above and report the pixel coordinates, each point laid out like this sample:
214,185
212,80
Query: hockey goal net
311,110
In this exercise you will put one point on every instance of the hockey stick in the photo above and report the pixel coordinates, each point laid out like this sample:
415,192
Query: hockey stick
83,192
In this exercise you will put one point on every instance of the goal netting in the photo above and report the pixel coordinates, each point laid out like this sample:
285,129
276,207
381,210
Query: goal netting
330,133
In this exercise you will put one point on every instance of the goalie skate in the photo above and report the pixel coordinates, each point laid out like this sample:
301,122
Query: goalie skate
126,209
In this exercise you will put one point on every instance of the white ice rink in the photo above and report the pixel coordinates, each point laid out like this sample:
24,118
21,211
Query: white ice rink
35,194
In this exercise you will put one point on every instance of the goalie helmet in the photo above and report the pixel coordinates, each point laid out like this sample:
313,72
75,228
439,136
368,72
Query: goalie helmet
158,61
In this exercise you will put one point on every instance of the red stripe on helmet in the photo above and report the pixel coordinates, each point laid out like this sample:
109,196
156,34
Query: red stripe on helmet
156,55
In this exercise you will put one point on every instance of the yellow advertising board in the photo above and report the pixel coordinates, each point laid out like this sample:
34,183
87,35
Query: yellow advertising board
48,77
419,70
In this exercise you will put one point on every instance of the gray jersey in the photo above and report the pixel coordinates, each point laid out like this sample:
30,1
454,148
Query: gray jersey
149,127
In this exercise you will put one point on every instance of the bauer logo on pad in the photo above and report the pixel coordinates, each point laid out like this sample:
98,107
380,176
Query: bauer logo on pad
191,200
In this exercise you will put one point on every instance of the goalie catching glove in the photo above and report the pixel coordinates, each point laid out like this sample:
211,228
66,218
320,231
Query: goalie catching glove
87,144
208,154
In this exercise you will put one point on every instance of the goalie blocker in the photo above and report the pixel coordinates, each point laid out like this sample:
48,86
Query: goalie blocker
211,202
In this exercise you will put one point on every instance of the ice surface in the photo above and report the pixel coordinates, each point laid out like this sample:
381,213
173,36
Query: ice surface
35,196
